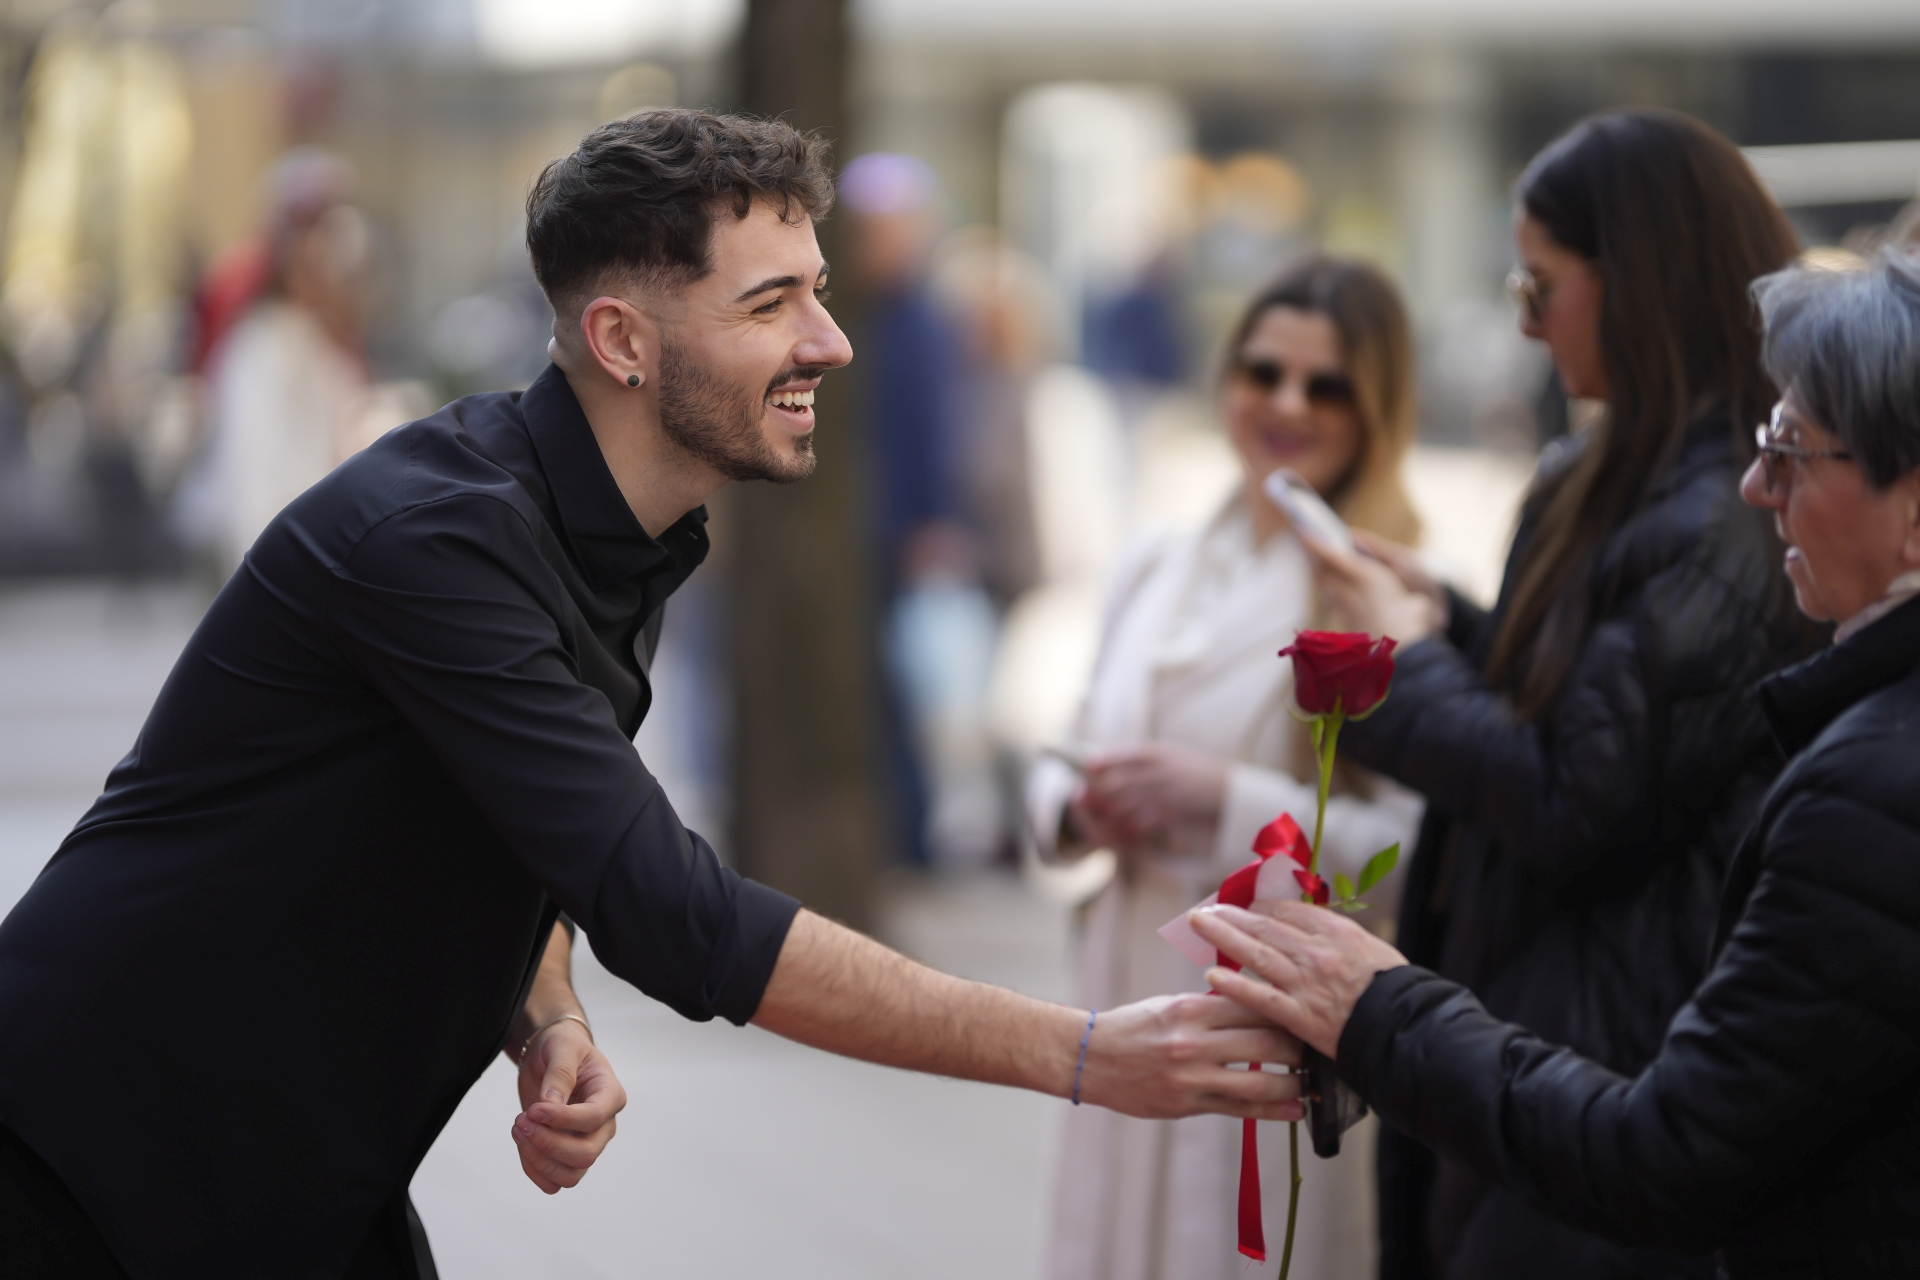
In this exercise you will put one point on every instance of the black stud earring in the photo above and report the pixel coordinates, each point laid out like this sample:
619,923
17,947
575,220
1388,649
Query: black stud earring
633,379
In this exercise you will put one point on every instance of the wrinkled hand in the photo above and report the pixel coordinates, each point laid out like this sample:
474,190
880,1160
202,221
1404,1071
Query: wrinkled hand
1167,1057
1383,593
1134,796
1319,962
569,1097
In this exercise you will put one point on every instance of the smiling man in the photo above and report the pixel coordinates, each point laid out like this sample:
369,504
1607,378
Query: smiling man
322,890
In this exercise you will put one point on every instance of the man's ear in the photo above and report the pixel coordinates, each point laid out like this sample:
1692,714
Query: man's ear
1909,489
619,340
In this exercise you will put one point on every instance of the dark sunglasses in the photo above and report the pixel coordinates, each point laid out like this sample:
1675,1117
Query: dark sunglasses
1777,456
1324,390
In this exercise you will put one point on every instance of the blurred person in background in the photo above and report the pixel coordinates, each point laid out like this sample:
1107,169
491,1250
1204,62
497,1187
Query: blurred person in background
1006,318
1780,1121
1133,335
1187,750
287,390
939,627
1588,749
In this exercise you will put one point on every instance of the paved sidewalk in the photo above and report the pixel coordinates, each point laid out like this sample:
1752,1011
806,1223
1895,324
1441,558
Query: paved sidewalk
740,1155
743,1155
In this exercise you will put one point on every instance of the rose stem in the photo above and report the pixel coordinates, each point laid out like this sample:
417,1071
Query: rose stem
1293,1196
1328,732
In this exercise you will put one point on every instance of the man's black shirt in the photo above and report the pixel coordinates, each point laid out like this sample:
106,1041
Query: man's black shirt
253,984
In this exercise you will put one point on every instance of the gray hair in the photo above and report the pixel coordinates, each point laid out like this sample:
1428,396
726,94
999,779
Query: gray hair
1847,344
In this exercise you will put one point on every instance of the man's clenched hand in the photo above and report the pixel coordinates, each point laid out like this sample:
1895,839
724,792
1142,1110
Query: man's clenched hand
569,1097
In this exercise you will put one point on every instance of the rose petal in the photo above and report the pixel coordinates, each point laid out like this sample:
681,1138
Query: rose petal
1340,670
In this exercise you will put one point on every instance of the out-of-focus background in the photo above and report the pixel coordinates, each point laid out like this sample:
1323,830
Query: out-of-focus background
240,238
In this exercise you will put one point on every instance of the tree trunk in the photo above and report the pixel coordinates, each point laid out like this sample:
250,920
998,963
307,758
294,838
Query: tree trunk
806,804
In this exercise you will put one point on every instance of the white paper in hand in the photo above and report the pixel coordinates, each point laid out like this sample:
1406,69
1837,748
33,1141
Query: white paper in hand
1275,881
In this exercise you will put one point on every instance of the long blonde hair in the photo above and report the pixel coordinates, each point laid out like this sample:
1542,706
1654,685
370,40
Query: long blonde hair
1377,344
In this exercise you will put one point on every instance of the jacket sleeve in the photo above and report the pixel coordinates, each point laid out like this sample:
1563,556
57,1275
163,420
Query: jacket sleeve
1467,623
1807,1024
1654,710
445,609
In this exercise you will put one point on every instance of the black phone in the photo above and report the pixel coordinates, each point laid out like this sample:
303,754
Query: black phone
1332,1105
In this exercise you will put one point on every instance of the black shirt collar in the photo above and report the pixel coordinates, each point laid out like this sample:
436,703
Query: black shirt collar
606,539
1803,699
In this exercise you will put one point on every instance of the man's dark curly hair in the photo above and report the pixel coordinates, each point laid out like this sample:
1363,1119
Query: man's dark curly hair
638,197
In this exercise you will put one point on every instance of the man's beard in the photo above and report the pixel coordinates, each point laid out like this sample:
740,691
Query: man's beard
721,424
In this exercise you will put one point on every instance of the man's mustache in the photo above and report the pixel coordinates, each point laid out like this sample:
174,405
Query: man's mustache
796,373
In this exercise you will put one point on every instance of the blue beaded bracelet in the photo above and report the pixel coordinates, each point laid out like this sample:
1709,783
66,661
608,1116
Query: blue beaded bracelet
1081,1065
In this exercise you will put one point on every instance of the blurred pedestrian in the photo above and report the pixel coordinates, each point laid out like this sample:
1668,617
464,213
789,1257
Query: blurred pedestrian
288,394
939,627
1588,748
1184,749
1006,319
1780,1119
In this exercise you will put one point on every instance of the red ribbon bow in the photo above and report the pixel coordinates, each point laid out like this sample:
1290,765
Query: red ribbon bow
1282,835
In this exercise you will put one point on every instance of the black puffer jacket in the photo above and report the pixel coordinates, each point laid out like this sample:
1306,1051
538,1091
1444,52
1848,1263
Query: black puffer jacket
1568,869
1781,1118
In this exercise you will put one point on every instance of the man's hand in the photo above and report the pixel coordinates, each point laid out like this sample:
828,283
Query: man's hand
1166,1057
836,990
569,1097
568,1092
1319,962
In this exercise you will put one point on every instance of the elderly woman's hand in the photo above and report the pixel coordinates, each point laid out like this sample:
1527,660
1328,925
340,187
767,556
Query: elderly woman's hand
1319,962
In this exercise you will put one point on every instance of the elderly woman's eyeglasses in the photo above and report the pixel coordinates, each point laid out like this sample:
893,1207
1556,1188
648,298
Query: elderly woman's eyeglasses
1323,391
1777,455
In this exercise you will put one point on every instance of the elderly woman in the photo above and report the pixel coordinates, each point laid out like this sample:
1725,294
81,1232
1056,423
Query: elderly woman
1780,1121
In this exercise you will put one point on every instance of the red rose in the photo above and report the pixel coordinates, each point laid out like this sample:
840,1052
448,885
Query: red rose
1340,671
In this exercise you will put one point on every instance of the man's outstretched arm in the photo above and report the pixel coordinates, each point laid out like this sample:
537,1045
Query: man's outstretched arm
568,1092
837,990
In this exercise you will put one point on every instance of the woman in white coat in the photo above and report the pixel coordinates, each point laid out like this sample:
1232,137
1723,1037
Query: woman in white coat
1186,749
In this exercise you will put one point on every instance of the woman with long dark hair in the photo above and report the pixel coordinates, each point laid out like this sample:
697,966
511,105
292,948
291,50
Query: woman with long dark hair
1587,749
